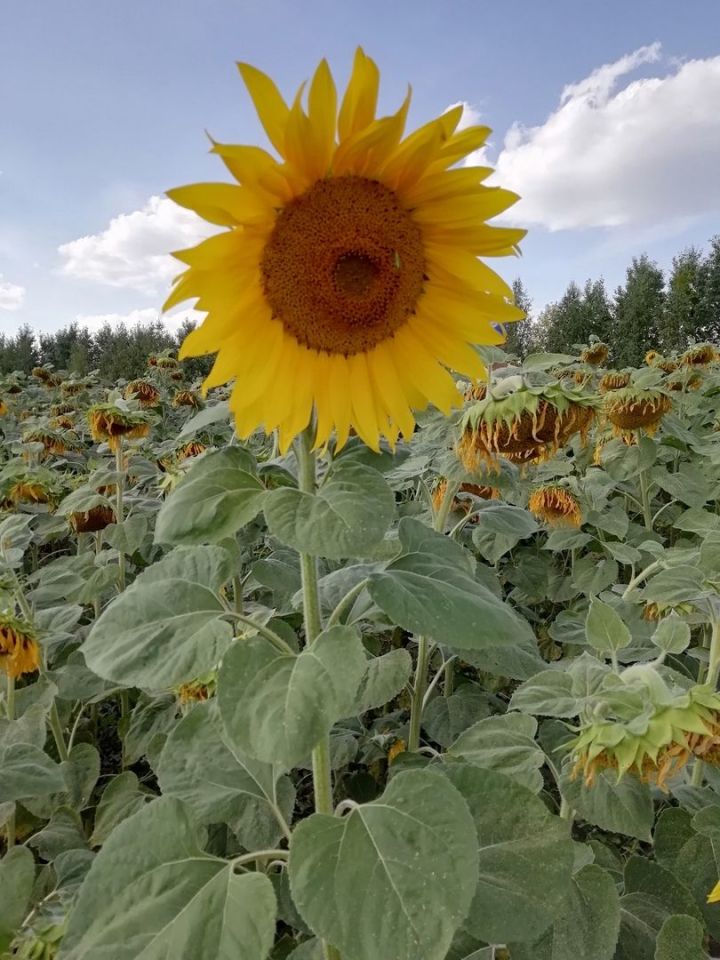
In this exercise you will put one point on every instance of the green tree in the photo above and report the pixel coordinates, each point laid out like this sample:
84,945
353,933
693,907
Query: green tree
683,317
639,307
708,327
519,334
567,323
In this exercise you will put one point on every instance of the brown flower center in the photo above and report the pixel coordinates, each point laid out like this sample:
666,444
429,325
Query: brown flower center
344,266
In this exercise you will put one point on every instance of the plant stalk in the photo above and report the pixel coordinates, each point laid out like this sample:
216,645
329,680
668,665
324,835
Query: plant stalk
119,506
322,772
10,710
645,497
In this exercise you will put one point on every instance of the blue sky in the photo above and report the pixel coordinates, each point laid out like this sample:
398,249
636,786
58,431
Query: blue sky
104,107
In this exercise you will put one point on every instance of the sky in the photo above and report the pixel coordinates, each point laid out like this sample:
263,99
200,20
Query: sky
605,120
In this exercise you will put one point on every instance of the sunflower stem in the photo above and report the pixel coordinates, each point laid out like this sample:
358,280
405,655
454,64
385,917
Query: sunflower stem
443,510
645,497
10,710
418,696
57,732
439,523
119,491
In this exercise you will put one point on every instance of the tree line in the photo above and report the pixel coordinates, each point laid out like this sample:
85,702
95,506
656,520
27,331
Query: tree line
649,311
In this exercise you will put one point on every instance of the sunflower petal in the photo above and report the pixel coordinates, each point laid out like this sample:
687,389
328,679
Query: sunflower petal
269,103
360,100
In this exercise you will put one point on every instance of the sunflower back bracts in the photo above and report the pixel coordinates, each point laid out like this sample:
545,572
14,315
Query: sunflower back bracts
632,409
527,426
109,422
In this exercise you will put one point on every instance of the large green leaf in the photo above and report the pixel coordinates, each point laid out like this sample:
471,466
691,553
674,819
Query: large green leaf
393,878
445,718
681,938
219,495
505,743
277,706
641,918
548,694
430,589
383,679
220,784
622,807
587,926
347,516
152,893
605,629
27,771
526,857
167,627
17,873
121,798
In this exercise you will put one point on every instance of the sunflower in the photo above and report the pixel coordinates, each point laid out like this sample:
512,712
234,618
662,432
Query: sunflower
582,377
71,388
197,690
667,366
657,609
596,354
655,743
192,449
53,443
631,409
63,422
613,380
28,490
348,279
42,374
3,408
524,427
13,388
186,398
109,423
556,506
92,520
652,357
476,391
461,502
19,649
146,393
58,409
680,382
699,355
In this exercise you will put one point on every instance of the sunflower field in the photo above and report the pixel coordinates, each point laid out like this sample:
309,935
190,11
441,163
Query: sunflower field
397,648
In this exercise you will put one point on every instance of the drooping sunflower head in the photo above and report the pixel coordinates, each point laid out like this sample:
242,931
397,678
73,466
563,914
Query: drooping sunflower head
186,398
19,648
348,277
146,393
71,388
63,422
688,379
53,442
13,388
29,489
192,449
613,380
92,520
632,408
652,357
596,354
555,505
44,374
108,423
654,739
527,426
667,365
699,355
476,391
657,609
463,499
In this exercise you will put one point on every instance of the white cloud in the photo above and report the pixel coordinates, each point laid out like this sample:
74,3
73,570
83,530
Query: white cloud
470,115
171,321
611,156
11,295
133,250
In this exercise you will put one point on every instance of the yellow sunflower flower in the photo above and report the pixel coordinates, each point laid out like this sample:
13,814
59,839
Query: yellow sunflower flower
699,355
595,355
19,649
631,409
146,393
348,279
613,380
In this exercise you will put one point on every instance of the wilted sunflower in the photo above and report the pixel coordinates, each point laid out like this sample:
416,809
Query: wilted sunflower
555,505
53,442
686,380
109,423
632,408
596,354
613,380
29,490
699,355
656,609
348,278
92,520
656,742
476,391
13,388
186,398
461,502
146,393
58,409
71,388
582,377
63,422
527,426
42,373
197,690
19,649
667,366
652,357
192,449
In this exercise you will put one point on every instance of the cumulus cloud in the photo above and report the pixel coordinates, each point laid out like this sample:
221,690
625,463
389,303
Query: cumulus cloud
133,250
470,115
148,315
614,155
11,295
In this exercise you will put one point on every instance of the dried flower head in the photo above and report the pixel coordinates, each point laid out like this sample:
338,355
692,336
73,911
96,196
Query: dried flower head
555,505
19,648
631,409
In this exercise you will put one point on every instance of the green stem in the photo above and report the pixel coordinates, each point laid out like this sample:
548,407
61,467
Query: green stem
119,506
711,678
347,601
446,503
645,497
651,568
57,732
419,687
123,725
10,709
322,772
274,638
237,593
